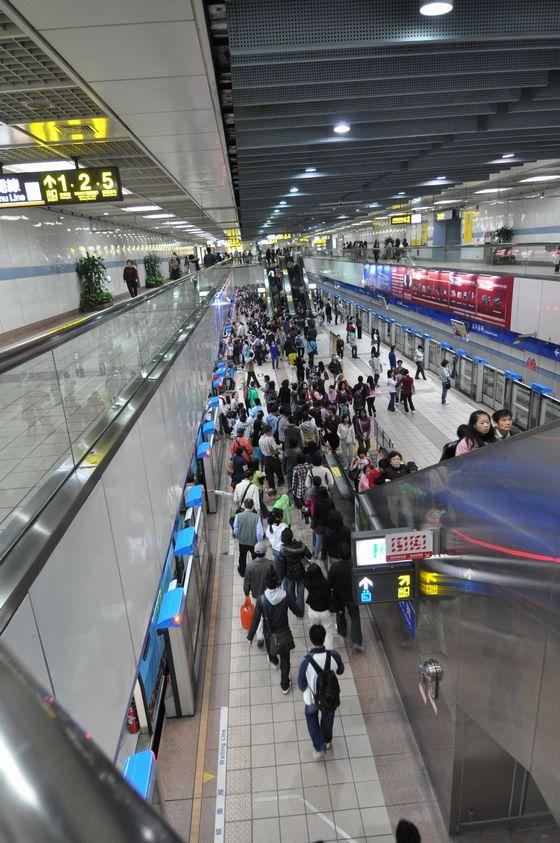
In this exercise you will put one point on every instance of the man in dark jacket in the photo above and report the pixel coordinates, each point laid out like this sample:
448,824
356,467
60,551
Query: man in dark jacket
273,607
293,437
336,535
292,563
340,580
209,258
254,581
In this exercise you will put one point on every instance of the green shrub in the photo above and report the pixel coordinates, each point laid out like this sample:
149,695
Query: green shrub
154,278
92,273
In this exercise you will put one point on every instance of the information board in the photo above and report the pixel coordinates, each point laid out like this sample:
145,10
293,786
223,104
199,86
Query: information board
384,586
61,187
372,549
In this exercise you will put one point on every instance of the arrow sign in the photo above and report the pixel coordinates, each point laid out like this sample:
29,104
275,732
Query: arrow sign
49,181
557,352
365,583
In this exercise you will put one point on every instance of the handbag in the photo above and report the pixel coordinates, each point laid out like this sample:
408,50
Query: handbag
278,642
246,612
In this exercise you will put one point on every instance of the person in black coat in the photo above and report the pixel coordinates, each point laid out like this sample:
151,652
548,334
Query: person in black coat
273,607
336,534
340,581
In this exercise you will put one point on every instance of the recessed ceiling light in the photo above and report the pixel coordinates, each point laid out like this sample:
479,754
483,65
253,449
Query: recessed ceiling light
440,178
136,209
401,193
105,213
508,155
294,189
283,202
276,211
39,166
341,128
493,190
432,8
541,178
446,202
158,216
311,169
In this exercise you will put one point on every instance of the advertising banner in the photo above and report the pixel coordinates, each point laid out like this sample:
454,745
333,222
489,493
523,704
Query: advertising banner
486,298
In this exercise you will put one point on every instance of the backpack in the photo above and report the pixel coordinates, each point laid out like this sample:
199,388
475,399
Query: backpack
449,450
327,688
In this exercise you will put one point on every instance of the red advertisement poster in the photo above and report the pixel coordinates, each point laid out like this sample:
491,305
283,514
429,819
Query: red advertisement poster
486,298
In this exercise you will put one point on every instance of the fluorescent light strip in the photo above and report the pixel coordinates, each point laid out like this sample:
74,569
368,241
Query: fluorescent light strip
137,209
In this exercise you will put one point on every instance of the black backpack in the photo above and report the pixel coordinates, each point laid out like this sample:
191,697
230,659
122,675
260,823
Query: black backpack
449,451
327,688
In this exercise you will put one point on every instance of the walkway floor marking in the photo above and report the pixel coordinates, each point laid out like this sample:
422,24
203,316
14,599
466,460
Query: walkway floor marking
221,776
204,714
308,805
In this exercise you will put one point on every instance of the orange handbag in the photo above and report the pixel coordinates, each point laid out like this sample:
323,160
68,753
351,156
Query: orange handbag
247,611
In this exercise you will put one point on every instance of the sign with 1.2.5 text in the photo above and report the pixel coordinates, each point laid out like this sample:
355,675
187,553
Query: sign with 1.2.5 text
81,186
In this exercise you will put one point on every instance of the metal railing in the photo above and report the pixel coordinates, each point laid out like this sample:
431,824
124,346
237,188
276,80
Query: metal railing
539,259
60,392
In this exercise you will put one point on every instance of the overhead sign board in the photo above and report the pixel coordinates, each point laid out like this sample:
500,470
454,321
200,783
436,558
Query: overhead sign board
384,586
444,215
59,187
383,547
401,219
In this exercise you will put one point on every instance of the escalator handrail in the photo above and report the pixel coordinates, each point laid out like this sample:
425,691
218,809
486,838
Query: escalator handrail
14,355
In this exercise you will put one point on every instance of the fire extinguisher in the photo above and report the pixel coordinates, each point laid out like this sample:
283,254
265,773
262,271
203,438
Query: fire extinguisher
132,723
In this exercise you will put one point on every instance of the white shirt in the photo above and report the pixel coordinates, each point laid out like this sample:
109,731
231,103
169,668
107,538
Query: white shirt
324,473
252,494
274,535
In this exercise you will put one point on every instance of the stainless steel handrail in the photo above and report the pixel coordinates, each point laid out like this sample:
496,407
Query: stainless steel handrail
58,787
18,353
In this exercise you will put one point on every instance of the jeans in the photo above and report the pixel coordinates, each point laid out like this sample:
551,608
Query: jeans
317,543
347,452
275,362
297,589
391,407
272,468
444,391
407,401
244,549
319,731
419,371
132,288
284,659
354,352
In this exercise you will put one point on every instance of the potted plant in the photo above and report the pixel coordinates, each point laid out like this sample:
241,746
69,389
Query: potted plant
154,278
503,234
92,273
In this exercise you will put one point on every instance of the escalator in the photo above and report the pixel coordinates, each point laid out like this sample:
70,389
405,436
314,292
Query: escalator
487,609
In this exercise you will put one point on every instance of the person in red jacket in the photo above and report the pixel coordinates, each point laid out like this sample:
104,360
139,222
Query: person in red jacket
406,385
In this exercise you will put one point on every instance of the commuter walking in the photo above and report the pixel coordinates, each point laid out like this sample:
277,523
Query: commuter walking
254,581
271,458
250,369
174,267
320,517
318,601
247,529
370,395
392,387
209,258
273,608
131,278
406,386
376,366
274,532
321,694
328,313
362,426
274,351
419,360
392,358
294,556
445,375
359,327
347,439
340,581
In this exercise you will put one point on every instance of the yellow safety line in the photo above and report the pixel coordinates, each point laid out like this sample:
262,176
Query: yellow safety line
203,727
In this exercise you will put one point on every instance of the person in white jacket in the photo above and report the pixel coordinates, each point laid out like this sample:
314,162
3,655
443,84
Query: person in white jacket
347,437
319,470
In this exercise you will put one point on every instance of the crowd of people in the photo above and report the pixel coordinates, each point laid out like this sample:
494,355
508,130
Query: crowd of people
279,435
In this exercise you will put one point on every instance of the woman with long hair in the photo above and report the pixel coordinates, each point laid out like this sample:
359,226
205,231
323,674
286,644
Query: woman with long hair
480,432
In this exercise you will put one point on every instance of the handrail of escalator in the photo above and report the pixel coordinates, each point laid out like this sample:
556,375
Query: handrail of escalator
20,352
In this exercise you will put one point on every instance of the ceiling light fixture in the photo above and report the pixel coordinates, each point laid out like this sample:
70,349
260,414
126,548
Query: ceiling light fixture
341,128
541,178
136,209
401,193
39,166
440,178
508,155
311,169
493,190
433,8
158,216
283,202
294,189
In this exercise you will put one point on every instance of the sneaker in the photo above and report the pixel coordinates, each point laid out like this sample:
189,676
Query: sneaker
319,756
260,643
328,746
275,666
358,648
286,690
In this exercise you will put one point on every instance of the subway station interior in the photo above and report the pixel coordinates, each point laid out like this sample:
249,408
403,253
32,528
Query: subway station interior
273,277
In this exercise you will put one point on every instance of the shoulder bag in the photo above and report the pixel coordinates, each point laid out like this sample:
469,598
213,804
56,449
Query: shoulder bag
240,507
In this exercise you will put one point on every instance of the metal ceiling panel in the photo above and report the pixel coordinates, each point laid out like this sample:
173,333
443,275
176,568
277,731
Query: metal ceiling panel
422,97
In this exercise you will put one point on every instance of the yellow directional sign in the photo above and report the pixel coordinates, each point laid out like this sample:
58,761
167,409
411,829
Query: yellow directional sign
404,586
